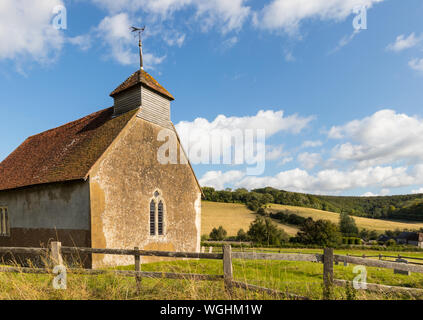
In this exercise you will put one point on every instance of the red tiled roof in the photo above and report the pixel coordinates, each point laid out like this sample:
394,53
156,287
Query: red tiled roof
144,78
64,153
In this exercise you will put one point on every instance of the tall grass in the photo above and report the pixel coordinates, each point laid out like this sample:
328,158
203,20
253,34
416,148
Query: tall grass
300,278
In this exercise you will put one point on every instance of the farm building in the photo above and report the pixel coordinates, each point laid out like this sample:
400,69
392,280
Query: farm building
412,238
97,182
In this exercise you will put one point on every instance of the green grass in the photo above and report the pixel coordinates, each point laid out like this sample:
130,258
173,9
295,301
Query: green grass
301,278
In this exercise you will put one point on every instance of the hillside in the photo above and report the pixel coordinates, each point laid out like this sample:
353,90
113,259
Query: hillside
232,217
403,207
362,223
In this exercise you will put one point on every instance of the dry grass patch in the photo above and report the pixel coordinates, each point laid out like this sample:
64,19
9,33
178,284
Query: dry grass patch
374,224
232,217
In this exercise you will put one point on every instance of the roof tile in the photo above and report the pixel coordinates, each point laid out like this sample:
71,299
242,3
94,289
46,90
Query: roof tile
64,153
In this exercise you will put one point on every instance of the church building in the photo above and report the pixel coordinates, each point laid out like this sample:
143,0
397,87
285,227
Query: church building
97,182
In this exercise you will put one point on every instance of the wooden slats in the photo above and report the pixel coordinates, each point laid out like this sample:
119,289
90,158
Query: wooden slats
277,256
131,252
379,263
381,287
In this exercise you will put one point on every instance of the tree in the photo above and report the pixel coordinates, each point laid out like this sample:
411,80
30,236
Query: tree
320,232
242,235
347,225
218,234
264,231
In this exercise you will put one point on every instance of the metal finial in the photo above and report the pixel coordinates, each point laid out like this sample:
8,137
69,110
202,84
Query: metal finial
140,31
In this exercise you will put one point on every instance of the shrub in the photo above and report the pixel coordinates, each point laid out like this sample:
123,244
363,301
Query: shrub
320,232
264,231
218,234
242,235
391,242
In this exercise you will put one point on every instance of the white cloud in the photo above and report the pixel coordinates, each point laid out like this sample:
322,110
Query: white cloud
309,160
114,32
230,15
270,120
417,191
274,153
416,64
233,135
229,43
217,179
311,144
402,42
385,137
329,181
287,15
82,41
26,30
369,194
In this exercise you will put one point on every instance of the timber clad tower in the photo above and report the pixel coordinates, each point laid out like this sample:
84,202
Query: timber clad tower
96,182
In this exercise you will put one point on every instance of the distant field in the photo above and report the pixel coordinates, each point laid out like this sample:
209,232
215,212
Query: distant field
374,224
232,217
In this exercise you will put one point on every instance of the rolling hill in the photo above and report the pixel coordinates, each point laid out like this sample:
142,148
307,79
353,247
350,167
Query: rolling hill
234,216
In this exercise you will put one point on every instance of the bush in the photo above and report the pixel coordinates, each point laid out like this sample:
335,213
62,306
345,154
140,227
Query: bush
390,242
320,232
218,234
242,235
264,231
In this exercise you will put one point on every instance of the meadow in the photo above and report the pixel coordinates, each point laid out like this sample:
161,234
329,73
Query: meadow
301,278
234,216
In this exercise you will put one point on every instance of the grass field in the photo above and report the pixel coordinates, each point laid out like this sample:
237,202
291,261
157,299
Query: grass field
232,217
374,224
302,278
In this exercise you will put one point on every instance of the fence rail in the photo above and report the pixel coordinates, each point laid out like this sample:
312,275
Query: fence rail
55,251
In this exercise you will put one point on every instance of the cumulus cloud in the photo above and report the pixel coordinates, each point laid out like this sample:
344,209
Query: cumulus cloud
328,181
311,144
309,160
230,15
287,15
417,191
237,140
402,42
114,32
385,137
218,179
26,31
416,64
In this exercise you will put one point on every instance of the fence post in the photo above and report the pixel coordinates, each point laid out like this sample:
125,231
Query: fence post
56,255
138,269
327,273
227,268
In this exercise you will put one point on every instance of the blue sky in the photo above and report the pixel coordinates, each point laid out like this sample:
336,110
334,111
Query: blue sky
342,109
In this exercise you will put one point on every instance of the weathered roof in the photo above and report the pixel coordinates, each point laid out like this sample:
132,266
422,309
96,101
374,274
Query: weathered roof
64,153
144,78
410,236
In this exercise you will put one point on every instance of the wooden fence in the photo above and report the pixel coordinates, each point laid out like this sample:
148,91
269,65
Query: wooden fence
55,252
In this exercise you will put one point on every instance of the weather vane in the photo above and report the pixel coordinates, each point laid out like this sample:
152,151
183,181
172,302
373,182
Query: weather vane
140,32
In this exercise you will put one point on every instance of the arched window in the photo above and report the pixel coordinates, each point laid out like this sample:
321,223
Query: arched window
160,218
4,223
152,218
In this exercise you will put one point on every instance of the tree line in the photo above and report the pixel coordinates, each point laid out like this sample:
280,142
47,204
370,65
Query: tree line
407,207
